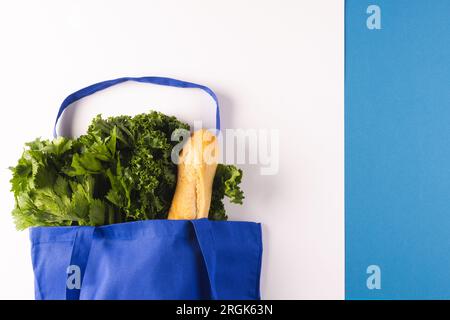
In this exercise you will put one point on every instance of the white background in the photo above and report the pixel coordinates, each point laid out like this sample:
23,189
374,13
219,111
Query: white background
274,64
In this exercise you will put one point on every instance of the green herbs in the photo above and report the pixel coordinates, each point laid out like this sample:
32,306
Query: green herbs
226,183
120,170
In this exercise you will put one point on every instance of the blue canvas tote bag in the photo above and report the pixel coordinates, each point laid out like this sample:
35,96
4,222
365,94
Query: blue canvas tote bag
151,259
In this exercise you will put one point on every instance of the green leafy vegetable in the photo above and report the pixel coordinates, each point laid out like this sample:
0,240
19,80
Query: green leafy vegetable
226,183
120,170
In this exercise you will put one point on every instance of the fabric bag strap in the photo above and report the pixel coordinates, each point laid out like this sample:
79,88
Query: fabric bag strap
205,238
78,261
153,80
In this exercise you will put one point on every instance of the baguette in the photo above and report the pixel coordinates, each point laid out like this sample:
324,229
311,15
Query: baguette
196,170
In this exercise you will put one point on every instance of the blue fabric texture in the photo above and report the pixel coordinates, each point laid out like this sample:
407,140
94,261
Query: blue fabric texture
153,259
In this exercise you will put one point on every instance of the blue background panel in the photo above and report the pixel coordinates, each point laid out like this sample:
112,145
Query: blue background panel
397,146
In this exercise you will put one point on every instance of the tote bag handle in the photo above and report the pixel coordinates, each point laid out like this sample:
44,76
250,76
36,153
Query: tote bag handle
153,80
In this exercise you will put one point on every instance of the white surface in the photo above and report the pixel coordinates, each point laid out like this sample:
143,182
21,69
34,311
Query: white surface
274,64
